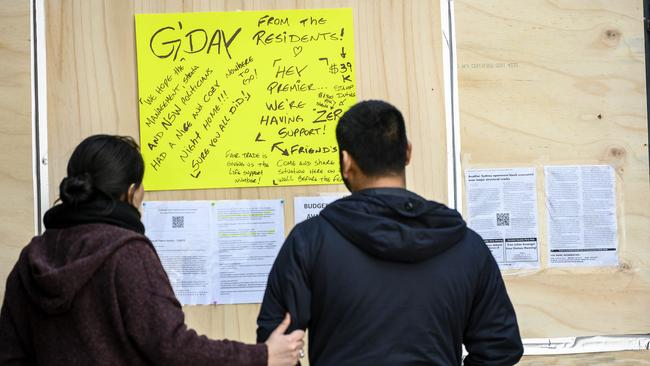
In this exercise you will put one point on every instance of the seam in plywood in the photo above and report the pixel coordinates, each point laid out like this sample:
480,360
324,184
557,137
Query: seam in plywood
39,113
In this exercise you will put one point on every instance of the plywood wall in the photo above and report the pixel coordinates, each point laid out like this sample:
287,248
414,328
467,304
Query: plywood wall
17,209
562,82
92,88
568,62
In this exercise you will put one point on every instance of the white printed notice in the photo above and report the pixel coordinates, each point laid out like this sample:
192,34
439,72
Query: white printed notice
216,252
307,207
502,208
249,235
581,205
181,233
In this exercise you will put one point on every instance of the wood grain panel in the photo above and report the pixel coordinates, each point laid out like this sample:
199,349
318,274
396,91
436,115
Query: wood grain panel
17,209
563,70
92,88
562,82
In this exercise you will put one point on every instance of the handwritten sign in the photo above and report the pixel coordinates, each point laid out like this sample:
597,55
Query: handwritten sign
243,99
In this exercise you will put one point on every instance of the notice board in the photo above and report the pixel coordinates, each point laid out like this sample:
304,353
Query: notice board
93,88
562,83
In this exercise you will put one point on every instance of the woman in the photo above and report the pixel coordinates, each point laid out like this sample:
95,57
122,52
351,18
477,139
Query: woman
92,291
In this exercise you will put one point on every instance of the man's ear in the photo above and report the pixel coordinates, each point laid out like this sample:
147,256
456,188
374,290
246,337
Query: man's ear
409,148
346,164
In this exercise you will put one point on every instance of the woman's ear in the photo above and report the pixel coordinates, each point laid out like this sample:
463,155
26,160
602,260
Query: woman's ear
130,194
135,195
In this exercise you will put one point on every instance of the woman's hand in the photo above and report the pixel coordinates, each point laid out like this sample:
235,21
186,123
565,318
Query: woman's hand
284,350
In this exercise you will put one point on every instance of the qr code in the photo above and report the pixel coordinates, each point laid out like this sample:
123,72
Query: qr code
178,222
503,219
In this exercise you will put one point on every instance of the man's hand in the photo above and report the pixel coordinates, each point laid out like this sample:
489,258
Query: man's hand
284,350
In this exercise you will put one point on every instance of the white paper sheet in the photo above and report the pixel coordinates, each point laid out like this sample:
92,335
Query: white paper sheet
249,235
181,233
216,252
308,207
502,208
581,205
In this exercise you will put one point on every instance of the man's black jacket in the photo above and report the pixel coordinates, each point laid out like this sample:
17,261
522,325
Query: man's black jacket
385,277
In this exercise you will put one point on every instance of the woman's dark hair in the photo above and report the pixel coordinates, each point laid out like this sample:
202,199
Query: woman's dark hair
102,165
373,133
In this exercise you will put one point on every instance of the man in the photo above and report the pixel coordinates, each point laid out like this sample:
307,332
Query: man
385,277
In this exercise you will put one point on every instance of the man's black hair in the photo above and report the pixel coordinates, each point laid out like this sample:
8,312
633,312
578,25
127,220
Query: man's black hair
373,133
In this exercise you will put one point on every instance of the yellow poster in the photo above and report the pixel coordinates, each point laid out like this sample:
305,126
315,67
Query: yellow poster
243,99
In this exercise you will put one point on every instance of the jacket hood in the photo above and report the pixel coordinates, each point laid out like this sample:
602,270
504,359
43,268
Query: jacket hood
394,224
77,242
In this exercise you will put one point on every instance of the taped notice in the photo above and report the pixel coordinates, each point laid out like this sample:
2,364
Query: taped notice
581,205
243,99
307,207
502,208
216,252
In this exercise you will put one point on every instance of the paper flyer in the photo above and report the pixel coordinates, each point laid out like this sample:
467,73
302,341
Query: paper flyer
581,206
307,207
216,252
502,208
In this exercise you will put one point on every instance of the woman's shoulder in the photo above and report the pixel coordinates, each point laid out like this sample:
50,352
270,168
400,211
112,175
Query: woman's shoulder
97,230
101,240
128,242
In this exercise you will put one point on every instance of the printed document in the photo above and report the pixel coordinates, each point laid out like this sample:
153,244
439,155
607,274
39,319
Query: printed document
502,208
180,231
581,206
216,252
249,235
307,207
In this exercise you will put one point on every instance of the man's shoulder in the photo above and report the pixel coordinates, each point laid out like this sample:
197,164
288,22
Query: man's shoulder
473,238
309,236
310,228
473,246
314,222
